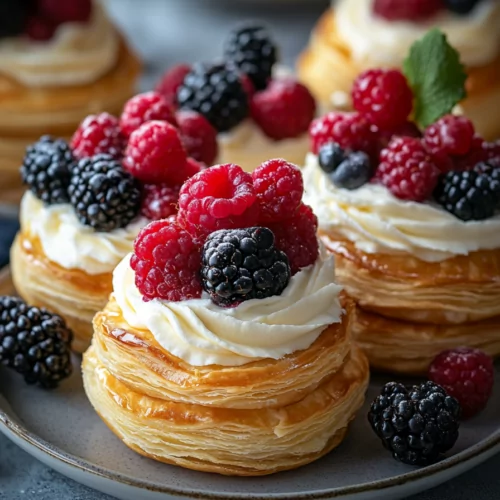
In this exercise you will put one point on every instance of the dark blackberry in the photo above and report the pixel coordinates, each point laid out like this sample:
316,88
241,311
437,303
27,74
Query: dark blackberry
472,194
417,424
34,342
461,6
243,264
217,93
13,16
46,169
330,156
103,194
252,50
353,172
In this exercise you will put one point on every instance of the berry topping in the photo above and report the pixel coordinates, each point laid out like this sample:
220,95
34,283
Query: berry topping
383,96
279,189
170,82
472,194
98,134
407,10
166,262
217,93
46,169
144,108
220,197
191,168
251,49
284,109
65,12
13,14
34,342
104,196
450,135
353,172
467,375
418,424
461,6
247,85
480,151
330,156
39,29
159,201
296,237
155,153
407,169
243,264
406,129
198,136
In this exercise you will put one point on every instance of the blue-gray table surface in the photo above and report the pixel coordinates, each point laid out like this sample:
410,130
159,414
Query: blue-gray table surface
164,32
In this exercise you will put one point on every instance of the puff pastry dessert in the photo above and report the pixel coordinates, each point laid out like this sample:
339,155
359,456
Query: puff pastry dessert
198,345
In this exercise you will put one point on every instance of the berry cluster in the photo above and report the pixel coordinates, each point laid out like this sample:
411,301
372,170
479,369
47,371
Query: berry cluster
236,235
242,87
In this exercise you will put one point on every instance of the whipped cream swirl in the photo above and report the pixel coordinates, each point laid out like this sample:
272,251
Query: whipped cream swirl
202,333
378,222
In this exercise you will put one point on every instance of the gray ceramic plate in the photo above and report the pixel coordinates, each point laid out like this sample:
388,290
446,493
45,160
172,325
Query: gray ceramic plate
61,429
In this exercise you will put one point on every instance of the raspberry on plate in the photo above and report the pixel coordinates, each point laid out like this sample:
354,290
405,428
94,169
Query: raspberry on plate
166,262
383,96
171,81
407,10
144,108
279,188
467,375
155,153
159,201
58,12
98,134
407,169
220,197
284,109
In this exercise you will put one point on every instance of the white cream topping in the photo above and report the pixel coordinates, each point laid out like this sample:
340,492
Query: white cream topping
72,245
378,222
202,333
79,53
376,41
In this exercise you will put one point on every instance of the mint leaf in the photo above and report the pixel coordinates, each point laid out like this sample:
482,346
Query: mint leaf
437,77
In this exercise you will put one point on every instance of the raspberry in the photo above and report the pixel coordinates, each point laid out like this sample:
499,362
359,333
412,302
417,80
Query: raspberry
350,131
247,84
406,129
198,136
65,12
166,262
145,108
284,109
407,169
467,375
159,201
407,10
279,188
383,96
296,237
220,197
98,134
40,30
171,81
155,154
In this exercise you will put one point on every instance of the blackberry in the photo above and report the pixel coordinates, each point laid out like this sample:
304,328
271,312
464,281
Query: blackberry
330,156
461,6
13,16
103,194
34,342
252,50
217,93
472,194
46,169
353,172
243,264
417,424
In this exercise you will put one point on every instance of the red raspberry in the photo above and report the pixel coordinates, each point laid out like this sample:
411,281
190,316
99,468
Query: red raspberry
170,81
198,136
407,169
159,201
451,135
284,109
279,188
166,262
406,129
248,85
351,131
40,30
144,108
220,197
98,134
407,10
467,375
296,237
191,167
383,96
64,12
155,154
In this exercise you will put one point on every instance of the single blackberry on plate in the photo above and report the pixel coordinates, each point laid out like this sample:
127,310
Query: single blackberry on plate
103,194
330,156
13,15
353,172
47,168
217,93
243,264
417,424
252,50
461,6
470,195
34,342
